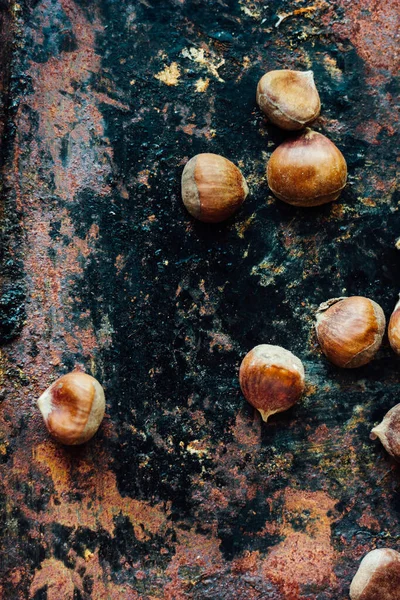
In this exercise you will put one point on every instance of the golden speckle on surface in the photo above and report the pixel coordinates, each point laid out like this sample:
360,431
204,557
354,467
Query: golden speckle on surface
201,85
169,75
197,447
198,55
88,554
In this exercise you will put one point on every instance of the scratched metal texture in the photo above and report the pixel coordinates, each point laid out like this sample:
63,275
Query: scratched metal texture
184,493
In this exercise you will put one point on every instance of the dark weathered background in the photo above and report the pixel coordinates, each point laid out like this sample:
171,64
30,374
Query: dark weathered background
184,493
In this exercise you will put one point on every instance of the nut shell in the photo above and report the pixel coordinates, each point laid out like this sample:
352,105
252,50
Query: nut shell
394,329
213,188
271,379
289,98
388,431
73,408
307,170
378,576
350,330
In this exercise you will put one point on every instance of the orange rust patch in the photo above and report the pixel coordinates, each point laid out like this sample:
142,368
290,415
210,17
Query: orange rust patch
195,553
100,502
305,557
249,562
368,520
372,27
369,131
61,581
247,432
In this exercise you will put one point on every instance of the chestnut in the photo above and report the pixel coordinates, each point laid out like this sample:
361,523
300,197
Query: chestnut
307,170
271,379
350,330
289,98
213,188
378,576
388,431
73,408
394,329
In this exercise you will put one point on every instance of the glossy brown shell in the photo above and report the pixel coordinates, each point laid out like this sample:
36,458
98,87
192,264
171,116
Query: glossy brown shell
350,330
289,98
307,170
271,379
378,576
73,408
213,188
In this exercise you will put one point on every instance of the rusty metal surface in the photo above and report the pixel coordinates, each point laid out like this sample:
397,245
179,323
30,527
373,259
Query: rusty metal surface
184,493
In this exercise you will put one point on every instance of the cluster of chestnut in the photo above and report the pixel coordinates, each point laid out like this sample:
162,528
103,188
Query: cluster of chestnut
350,332
306,170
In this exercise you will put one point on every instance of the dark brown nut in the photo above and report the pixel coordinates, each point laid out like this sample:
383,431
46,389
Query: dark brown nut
289,98
307,170
389,432
73,408
394,329
350,330
213,188
378,576
271,378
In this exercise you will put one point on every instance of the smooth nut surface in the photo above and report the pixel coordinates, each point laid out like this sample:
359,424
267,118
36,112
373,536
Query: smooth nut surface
378,576
271,379
73,408
394,329
289,98
350,330
213,188
307,170
388,431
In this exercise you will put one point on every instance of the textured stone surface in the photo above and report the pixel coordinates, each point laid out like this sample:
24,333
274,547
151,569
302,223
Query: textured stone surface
184,493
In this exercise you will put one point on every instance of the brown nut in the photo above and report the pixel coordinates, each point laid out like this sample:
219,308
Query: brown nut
271,378
388,431
378,576
213,188
350,330
289,98
307,170
73,408
394,329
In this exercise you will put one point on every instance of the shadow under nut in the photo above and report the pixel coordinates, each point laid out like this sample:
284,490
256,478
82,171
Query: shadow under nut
308,170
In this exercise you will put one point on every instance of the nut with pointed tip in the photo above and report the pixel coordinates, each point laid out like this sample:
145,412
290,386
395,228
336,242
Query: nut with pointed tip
73,408
308,170
350,330
378,576
271,378
394,329
289,98
388,431
213,188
